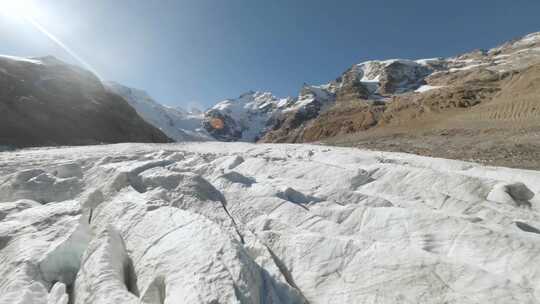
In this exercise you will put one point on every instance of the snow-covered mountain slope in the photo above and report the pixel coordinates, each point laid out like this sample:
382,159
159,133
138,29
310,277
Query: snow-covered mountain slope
176,123
243,223
245,118
251,115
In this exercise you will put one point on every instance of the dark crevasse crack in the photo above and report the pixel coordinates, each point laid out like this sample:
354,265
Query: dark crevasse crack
240,235
154,243
128,271
63,263
156,291
4,241
130,277
133,177
286,273
212,193
106,253
527,228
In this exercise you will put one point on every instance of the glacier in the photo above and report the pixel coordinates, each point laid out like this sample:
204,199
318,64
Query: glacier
177,123
260,223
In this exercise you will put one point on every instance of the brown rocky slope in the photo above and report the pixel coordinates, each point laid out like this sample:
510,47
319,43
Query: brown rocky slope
482,106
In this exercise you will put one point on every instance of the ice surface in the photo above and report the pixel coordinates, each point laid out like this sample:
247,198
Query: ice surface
244,223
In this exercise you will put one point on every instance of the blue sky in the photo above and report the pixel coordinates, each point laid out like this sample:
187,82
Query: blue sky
199,52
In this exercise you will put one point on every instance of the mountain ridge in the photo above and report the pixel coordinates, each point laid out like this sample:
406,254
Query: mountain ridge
375,82
394,104
44,101
175,122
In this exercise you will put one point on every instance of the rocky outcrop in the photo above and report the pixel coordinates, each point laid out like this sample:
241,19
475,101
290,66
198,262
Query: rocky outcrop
246,118
221,126
44,101
351,87
402,76
288,124
374,95
381,98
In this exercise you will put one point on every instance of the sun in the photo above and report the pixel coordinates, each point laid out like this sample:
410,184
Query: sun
17,8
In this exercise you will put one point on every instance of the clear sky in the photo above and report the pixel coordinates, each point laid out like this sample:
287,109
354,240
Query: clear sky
198,52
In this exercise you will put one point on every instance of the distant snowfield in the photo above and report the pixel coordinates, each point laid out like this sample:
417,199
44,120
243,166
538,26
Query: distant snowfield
244,223
29,60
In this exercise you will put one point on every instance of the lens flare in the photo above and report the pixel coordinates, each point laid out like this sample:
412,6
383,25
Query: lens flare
25,9
16,8
217,123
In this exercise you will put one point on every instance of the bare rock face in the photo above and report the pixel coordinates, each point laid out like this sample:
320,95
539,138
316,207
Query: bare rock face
351,87
342,119
47,102
381,95
222,127
477,94
367,85
245,118
288,125
398,77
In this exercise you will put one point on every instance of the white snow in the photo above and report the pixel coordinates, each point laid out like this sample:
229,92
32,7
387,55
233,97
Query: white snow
428,61
426,88
320,93
177,124
15,58
469,67
243,223
527,40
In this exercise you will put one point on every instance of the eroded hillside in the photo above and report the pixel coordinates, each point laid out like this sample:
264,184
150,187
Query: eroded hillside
482,106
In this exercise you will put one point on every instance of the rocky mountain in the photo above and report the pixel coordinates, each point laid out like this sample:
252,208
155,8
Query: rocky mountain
243,119
437,107
481,106
253,114
176,123
45,102
220,222
263,224
371,94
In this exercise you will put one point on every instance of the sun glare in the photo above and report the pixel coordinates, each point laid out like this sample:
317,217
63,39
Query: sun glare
17,8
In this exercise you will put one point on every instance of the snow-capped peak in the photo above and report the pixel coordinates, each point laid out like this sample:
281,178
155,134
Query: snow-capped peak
392,76
247,115
527,40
